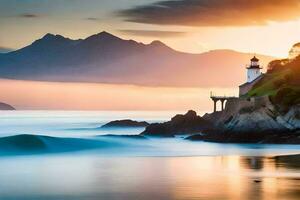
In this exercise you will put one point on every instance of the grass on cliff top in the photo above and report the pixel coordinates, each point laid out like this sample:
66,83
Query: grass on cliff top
269,84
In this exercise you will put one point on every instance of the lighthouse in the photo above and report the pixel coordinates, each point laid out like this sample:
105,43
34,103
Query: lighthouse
253,71
253,76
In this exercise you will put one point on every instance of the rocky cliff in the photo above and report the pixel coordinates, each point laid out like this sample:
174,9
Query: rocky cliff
243,120
253,120
254,115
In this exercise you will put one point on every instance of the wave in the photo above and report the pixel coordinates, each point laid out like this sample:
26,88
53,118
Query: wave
136,137
36,144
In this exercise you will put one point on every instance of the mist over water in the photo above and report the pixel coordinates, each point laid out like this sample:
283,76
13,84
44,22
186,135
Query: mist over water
66,155
72,123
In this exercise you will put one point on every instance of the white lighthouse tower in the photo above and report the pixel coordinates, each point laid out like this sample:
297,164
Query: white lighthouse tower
253,71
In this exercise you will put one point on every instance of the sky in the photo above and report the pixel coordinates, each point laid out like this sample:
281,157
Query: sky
89,96
268,27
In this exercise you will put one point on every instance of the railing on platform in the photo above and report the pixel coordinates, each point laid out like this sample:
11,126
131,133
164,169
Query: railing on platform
212,95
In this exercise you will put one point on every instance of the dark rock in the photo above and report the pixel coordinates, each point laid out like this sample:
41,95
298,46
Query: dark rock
4,106
195,137
180,124
267,137
291,161
125,123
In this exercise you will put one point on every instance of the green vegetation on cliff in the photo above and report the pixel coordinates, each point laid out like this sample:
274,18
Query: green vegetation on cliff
281,83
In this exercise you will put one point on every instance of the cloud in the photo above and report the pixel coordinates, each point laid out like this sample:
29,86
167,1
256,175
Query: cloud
153,33
213,12
28,15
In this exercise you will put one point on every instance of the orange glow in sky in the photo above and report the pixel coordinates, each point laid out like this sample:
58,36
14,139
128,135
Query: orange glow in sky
268,27
85,96
263,27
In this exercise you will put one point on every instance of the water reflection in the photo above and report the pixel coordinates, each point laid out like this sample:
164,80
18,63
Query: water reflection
234,177
143,178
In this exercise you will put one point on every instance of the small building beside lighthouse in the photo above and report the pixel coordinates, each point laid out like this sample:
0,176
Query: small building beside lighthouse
254,74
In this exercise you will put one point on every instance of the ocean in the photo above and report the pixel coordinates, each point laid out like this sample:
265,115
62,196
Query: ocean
66,155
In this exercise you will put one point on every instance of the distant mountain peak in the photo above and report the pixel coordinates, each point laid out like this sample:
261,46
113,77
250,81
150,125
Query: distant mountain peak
157,43
104,36
50,36
104,33
50,41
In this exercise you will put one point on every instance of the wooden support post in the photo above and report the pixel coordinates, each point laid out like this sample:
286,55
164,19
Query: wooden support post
222,102
215,105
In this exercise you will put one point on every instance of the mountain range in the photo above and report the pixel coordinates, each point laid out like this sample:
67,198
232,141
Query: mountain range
105,58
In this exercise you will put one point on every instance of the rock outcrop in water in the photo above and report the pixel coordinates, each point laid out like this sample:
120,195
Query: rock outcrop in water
243,120
179,125
4,106
125,123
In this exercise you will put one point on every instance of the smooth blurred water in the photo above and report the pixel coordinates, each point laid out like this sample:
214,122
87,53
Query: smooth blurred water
63,123
123,168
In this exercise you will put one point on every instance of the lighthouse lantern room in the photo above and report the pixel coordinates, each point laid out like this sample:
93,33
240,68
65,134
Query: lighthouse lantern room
253,71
